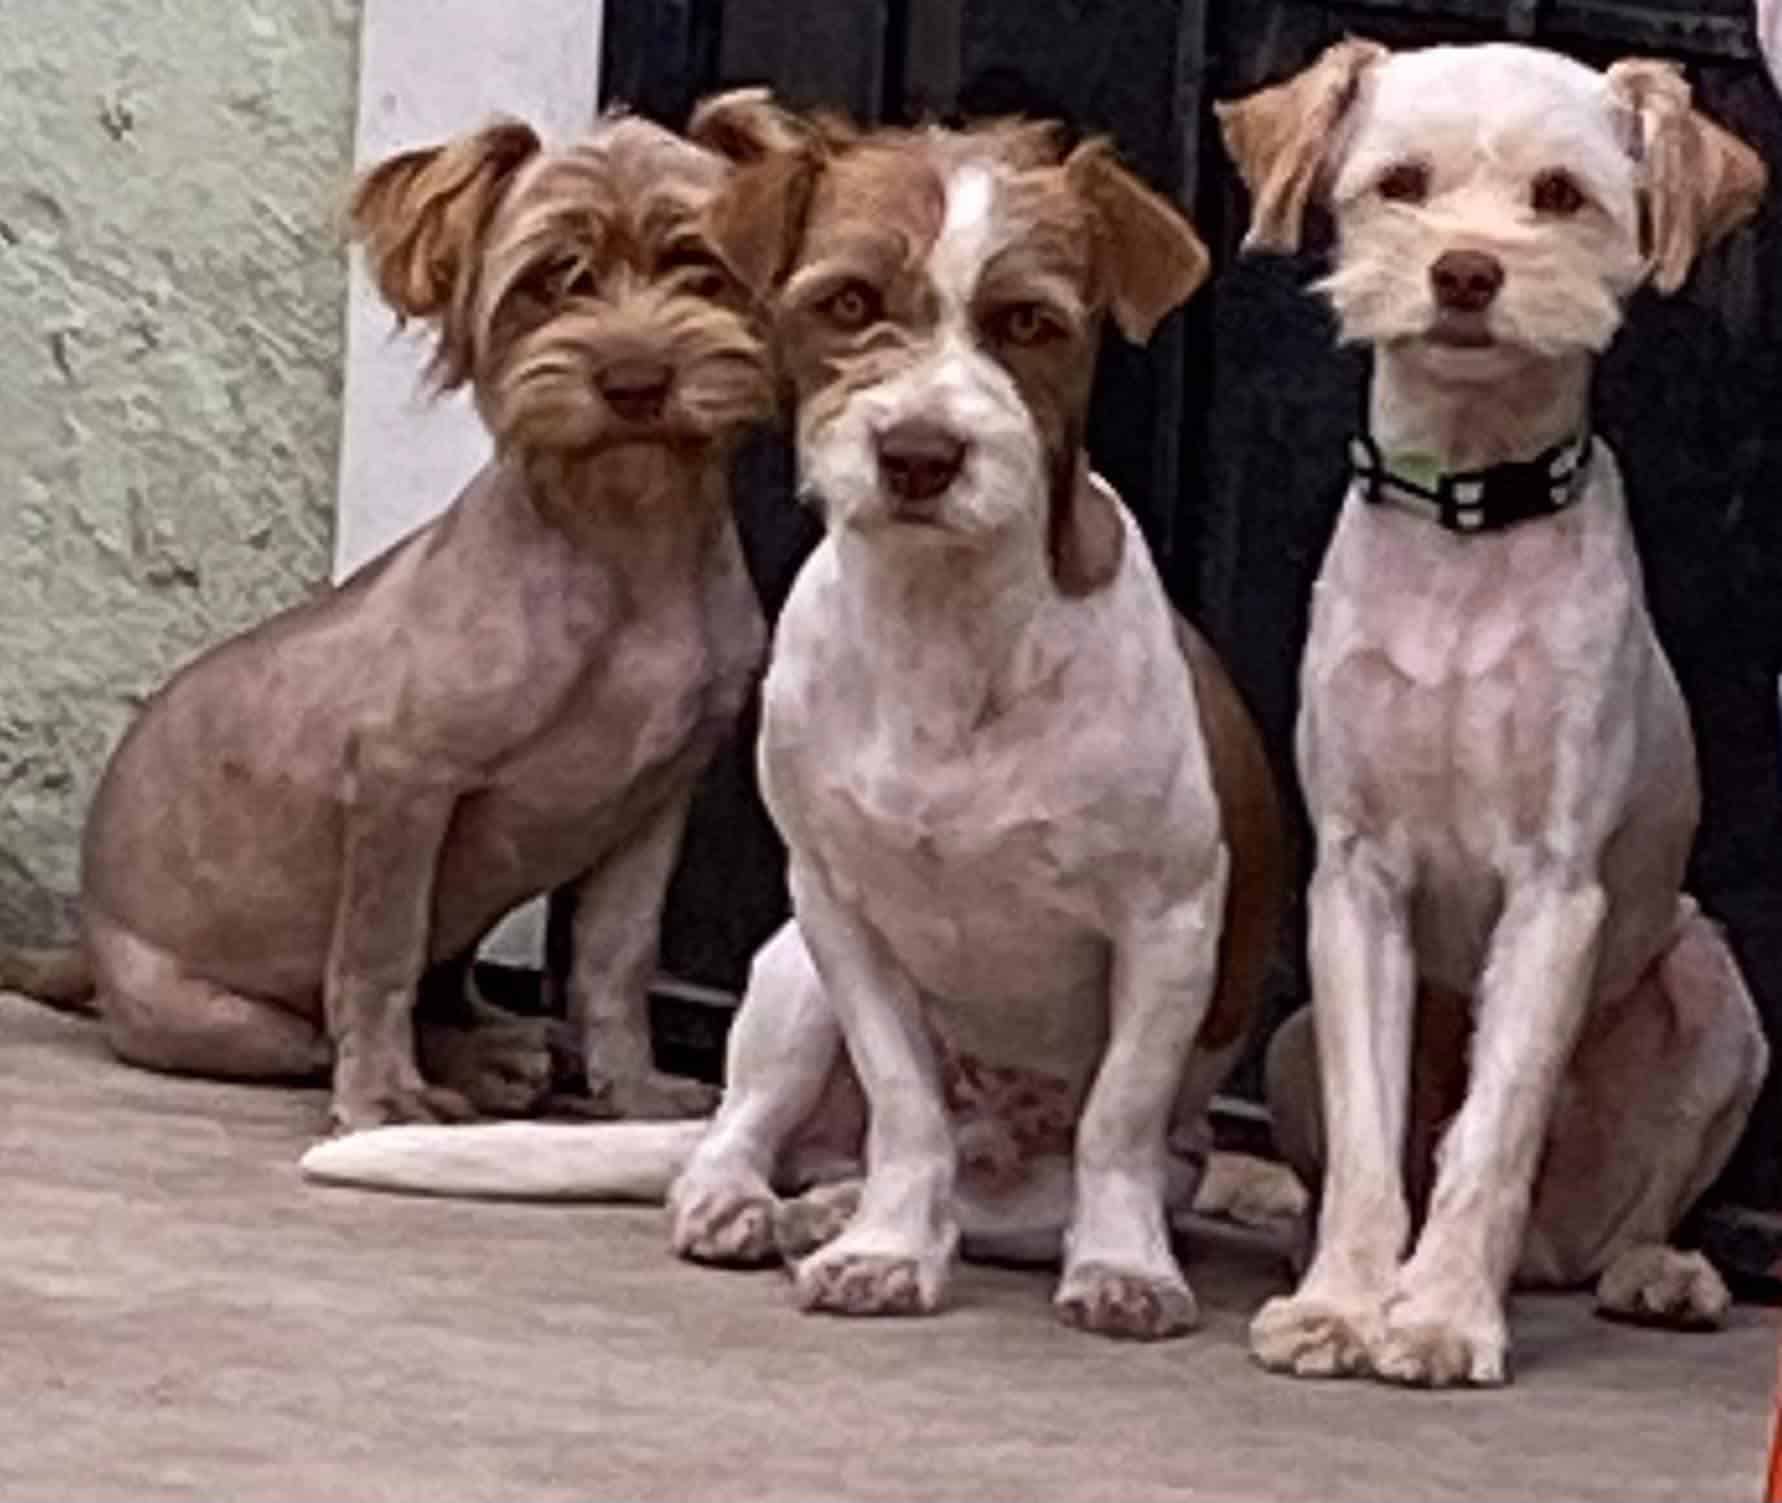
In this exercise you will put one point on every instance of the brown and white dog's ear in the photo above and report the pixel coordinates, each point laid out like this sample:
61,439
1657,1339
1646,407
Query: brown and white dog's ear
1700,182
1281,139
756,220
745,125
1084,537
421,215
1154,257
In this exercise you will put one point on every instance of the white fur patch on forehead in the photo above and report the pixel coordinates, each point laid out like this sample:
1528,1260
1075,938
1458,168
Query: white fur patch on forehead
968,233
1522,108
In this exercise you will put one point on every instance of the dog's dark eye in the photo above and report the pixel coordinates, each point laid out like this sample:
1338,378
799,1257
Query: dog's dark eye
852,306
1024,324
1556,193
1406,183
695,271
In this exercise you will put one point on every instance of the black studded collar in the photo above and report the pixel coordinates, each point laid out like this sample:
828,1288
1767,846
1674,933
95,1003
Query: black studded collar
1473,501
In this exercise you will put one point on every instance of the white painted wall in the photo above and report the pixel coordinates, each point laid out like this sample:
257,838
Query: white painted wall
428,69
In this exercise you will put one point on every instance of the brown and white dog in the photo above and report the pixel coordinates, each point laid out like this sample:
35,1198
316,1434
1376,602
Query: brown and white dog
1495,755
1036,856
314,815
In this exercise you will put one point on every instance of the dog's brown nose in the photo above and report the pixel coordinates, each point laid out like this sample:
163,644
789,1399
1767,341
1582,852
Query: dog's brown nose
1466,281
919,460
635,389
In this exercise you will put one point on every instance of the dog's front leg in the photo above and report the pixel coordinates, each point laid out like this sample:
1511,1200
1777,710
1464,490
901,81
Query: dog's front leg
894,1256
1445,1320
395,823
1363,997
1120,1277
783,1051
615,941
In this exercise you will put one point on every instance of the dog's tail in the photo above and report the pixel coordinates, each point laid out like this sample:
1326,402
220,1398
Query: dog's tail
60,976
597,1161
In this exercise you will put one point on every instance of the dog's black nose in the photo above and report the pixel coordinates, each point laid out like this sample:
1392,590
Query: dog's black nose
635,389
919,460
1466,281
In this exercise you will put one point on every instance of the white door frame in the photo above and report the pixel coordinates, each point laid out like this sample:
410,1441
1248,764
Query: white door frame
428,69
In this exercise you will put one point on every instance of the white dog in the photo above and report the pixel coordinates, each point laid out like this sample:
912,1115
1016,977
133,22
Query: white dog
1495,755
1021,798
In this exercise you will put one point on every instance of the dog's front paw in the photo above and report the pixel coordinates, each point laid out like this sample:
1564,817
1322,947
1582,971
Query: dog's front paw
502,1069
1442,1340
1661,1286
728,1222
866,1273
1314,1335
394,1105
1138,1306
815,1218
655,1096
864,1284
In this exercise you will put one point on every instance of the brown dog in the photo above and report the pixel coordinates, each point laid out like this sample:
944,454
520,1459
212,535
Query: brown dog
313,815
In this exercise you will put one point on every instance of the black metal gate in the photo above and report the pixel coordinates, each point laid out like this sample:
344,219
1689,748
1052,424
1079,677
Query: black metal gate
1226,434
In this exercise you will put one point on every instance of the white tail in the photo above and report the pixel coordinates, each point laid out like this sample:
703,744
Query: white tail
598,1161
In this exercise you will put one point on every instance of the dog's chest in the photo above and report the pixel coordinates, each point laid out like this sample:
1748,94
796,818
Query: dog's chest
1440,676
1462,707
979,892
652,703
1459,753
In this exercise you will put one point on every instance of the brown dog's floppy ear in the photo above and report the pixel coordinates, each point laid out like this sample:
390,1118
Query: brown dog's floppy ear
420,215
1156,259
1084,538
1701,182
1280,138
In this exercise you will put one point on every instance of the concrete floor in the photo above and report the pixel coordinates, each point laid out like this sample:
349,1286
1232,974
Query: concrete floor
181,1317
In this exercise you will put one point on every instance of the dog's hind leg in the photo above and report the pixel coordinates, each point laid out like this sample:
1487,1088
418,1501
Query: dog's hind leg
498,1061
160,1017
1656,1096
782,1082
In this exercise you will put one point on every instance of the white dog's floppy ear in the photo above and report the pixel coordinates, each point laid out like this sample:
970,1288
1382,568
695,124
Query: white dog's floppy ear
757,219
1281,138
1700,182
1155,258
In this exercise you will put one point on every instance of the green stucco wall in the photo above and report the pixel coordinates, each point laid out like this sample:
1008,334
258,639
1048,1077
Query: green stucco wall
171,290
